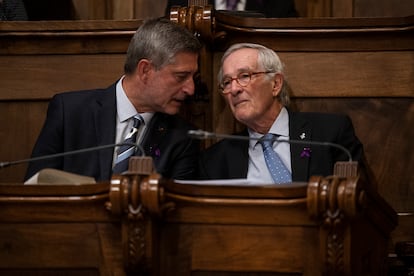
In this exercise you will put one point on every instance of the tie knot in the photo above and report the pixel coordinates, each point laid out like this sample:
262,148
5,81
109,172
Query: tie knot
138,120
267,140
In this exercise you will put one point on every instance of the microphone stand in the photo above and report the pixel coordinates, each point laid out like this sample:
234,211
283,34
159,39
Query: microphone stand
39,158
200,134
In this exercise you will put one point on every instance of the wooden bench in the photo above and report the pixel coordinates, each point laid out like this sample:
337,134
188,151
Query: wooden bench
359,66
144,224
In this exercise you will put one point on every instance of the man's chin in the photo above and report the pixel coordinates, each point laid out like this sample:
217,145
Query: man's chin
173,109
242,115
242,110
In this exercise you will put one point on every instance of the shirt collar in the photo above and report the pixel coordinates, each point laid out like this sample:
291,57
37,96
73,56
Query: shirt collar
125,109
280,127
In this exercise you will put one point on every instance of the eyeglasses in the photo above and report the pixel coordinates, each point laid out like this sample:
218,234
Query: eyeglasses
243,79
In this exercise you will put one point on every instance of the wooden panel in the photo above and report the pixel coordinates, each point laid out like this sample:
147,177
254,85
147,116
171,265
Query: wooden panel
147,9
245,250
58,230
66,37
118,9
21,121
319,8
350,74
31,244
141,9
287,214
122,9
317,34
90,9
383,8
46,75
342,8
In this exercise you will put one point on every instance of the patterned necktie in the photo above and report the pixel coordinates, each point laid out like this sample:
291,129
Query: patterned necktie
126,151
277,169
232,4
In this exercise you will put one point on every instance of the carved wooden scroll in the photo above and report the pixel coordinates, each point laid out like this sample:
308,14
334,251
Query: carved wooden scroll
334,201
198,19
124,202
136,196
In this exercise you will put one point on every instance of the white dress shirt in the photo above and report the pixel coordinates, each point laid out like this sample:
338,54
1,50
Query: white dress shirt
125,112
257,169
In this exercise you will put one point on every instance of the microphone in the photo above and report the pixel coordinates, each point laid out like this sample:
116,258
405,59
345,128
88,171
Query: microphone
202,135
62,154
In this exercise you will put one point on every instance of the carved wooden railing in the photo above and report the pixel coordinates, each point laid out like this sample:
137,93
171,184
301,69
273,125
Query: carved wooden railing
197,19
352,223
217,27
330,226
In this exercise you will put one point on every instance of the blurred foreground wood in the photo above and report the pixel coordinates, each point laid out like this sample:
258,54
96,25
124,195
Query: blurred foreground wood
147,224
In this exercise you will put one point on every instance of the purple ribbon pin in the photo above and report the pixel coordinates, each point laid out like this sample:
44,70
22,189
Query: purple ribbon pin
306,152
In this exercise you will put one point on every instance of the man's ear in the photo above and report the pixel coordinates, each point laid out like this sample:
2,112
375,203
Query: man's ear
144,69
277,84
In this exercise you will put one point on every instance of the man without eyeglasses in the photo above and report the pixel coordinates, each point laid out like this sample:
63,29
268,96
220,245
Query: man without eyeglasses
161,61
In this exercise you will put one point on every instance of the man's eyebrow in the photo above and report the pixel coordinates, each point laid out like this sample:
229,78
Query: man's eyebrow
182,72
240,70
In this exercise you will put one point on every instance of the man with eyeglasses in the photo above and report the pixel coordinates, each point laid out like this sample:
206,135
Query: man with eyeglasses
140,107
252,81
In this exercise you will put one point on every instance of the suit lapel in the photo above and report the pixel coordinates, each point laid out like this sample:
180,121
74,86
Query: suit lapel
239,156
299,129
104,115
241,161
156,131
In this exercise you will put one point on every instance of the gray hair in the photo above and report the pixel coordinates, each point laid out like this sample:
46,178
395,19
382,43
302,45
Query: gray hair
159,40
267,59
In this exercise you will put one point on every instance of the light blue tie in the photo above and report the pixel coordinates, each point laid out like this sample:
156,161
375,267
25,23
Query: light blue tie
277,169
126,151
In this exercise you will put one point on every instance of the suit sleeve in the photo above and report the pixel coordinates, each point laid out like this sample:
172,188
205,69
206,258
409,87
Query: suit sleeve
350,141
185,164
50,140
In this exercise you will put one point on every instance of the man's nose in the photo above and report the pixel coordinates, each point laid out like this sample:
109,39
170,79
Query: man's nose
189,86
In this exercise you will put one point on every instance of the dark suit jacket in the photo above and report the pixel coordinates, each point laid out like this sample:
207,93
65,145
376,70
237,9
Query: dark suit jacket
77,120
269,8
13,10
229,158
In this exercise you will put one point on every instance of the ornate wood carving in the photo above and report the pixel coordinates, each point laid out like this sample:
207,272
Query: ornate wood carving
124,201
198,19
335,201
138,198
